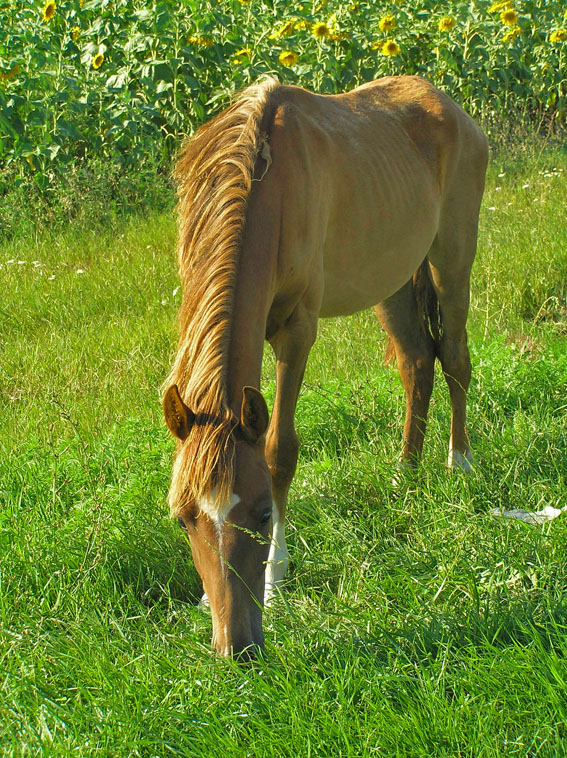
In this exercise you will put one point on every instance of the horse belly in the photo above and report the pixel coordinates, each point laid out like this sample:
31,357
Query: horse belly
374,252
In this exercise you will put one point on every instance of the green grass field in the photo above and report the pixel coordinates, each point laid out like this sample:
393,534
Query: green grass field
414,623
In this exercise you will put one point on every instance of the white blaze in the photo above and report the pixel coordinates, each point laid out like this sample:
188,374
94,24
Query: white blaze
218,515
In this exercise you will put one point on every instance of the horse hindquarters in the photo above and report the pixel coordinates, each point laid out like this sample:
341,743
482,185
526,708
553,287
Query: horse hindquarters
418,332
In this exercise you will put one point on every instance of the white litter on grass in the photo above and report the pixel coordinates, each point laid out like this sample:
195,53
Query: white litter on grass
530,517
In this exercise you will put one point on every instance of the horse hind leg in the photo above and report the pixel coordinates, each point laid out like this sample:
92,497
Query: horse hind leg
415,357
451,258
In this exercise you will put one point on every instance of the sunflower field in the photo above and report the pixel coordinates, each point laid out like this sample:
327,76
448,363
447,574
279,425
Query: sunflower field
123,80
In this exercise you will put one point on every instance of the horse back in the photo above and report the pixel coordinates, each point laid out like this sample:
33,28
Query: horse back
361,180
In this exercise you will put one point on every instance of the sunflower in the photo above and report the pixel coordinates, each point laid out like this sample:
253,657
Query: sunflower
98,60
496,7
446,24
49,10
284,30
288,58
240,56
320,30
387,23
509,17
390,48
512,34
558,35
197,41
7,75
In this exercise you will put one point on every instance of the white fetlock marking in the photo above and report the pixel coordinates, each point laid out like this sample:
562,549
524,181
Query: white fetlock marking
463,461
204,601
278,559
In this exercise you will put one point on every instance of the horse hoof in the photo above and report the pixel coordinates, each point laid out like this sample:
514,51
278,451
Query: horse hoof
403,469
461,461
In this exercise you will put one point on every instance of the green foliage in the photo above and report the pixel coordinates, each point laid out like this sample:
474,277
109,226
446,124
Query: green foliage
123,79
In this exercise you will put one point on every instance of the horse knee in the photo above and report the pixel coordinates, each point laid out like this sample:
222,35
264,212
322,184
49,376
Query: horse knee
281,456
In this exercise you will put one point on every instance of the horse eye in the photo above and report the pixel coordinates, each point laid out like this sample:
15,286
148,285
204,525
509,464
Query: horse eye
182,524
265,517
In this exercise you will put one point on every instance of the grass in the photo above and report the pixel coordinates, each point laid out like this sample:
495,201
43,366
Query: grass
414,623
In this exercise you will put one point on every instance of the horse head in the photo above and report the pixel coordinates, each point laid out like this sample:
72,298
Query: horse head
227,527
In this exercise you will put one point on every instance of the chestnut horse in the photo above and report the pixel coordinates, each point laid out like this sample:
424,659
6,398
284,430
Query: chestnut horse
295,206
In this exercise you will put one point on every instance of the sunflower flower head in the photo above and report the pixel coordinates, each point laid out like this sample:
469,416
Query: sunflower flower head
390,48
387,23
98,60
241,56
320,30
197,41
6,76
288,58
500,6
511,34
509,17
49,11
446,24
284,30
558,35
333,23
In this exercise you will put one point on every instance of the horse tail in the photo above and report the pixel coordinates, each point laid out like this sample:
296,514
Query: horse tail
428,312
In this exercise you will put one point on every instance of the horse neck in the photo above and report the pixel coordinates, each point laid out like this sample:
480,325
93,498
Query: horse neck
253,296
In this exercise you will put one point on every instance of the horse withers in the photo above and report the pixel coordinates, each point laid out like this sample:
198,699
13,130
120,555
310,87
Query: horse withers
295,206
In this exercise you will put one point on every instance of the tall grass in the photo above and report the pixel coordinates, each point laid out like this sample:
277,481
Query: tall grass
414,623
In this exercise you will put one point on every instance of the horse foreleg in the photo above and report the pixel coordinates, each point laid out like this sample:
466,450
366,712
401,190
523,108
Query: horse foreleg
291,345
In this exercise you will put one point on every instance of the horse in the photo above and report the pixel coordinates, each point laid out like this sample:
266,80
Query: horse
295,206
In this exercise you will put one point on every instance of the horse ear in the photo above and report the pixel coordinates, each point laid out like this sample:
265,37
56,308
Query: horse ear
254,416
178,417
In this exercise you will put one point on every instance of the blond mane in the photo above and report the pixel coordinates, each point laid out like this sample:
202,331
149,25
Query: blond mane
214,173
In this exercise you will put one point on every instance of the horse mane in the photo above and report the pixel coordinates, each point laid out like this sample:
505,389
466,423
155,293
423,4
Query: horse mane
213,173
